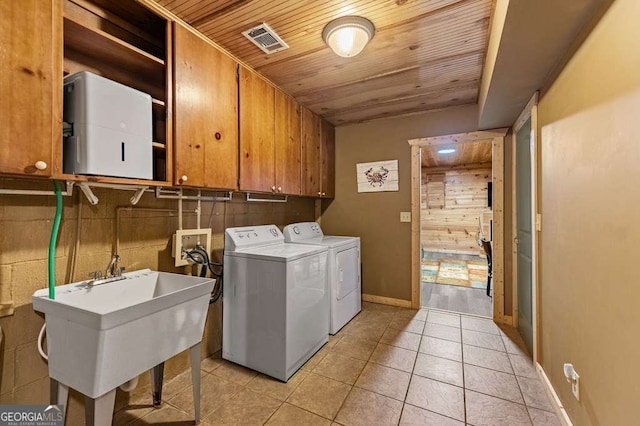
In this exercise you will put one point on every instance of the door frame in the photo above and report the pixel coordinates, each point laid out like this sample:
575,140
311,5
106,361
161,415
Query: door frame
497,136
529,111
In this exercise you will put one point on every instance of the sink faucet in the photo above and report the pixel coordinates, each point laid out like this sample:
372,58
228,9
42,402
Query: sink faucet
112,268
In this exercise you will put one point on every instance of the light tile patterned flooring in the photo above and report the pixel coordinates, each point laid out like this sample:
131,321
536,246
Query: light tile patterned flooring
387,366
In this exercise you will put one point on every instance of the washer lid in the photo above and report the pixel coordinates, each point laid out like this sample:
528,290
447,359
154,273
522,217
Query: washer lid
278,252
330,241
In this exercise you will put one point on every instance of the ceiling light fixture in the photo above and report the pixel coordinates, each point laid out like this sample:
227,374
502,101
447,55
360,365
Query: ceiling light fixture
446,151
347,36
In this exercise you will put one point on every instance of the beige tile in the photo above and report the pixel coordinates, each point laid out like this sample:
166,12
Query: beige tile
417,416
354,347
451,320
370,306
166,415
340,367
34,393
367,408
384,380
129,415
420,315
543,418
333,341
442,348
480,324
401,339
234,373
390,356
315,359
487,358
435,396
176,385
289,414
483,340
534,394
490,382
408,325
370,317
320,395
444,370
275,388
490,411
211,363
214,392
365,330
442,332
246,407
523,366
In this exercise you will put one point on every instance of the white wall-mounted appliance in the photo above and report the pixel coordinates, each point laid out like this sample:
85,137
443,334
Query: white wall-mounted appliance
276,301
111,128
343,270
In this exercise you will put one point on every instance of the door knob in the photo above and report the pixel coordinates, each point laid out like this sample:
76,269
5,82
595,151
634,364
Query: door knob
41,165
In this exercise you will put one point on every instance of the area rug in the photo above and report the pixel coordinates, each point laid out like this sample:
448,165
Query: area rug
465,273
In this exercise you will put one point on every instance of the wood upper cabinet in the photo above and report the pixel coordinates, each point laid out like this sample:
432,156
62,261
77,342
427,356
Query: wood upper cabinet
31,87
269,137
287,144
328,160
318,156
257,143
205,113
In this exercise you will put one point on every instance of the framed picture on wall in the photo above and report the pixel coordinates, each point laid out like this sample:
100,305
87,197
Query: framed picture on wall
377,176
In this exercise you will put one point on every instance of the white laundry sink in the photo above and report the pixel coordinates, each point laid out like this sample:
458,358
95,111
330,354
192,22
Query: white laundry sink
99,337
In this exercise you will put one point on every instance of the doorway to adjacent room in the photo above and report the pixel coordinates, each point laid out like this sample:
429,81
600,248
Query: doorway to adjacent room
455,227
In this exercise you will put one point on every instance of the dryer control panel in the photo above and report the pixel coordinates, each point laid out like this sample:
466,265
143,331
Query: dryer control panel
252,236
302,231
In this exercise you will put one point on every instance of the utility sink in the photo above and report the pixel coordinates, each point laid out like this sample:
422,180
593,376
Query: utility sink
101,336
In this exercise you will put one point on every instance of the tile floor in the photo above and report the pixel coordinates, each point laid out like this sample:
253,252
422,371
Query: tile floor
387,366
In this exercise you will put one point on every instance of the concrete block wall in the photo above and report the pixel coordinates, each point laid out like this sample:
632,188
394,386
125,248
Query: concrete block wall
145,242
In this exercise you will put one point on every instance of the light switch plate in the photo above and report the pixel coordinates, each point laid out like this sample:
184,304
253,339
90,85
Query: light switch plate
405,216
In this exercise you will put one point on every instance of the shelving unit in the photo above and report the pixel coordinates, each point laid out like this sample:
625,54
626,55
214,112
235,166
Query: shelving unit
103,38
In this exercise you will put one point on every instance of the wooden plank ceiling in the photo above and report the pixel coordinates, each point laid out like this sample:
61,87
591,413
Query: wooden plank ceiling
466,153
425,55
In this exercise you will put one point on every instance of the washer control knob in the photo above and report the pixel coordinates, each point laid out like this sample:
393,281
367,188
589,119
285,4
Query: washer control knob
296,230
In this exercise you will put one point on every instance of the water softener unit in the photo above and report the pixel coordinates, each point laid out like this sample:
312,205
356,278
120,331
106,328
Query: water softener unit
111,128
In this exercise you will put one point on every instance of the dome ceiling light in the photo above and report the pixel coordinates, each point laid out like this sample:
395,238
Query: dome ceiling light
347,36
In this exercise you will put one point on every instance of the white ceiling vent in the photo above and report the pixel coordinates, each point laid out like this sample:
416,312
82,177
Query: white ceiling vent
265,38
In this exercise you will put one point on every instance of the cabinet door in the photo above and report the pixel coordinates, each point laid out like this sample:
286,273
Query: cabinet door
31,87
327,155
287,141
311,145
257,163
205,113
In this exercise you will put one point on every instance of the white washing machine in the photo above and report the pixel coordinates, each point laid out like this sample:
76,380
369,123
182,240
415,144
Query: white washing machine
276,301
343,270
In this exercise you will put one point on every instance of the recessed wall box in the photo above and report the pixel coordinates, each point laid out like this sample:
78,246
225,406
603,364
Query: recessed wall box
112,128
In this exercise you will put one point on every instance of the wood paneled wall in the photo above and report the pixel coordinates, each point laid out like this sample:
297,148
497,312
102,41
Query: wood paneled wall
453,201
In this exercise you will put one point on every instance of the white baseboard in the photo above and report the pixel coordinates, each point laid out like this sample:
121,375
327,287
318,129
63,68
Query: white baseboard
551,392
386,300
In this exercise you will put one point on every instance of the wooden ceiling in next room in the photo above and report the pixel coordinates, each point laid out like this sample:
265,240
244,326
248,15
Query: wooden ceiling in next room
457,154
425,54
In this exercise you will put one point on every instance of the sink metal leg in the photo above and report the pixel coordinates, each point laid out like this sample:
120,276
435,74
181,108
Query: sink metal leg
58,394
157,374
195,379
99,411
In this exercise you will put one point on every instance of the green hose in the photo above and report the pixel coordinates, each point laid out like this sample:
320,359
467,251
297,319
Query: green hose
53,240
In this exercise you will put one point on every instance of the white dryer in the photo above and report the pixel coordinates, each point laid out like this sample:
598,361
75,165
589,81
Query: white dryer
276,301
343,270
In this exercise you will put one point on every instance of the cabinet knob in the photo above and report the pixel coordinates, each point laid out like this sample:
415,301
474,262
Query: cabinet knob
319,193
279,189
183,179
273,188
41,165
218,136
323,194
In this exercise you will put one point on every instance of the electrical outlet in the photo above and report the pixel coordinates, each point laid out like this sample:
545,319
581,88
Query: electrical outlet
574,378
405,216
185,239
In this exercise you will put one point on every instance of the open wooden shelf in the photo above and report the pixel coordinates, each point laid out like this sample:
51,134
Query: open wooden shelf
111,180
